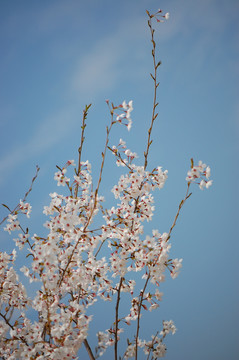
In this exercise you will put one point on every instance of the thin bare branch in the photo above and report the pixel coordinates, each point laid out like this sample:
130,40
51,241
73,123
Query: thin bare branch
83,126
25,196
154,77
12,327
179,209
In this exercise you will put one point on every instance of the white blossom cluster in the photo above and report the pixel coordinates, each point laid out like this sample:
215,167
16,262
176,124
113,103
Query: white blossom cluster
125,117
200,173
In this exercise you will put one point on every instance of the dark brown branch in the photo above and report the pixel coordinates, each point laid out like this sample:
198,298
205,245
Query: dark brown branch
139,312
117,317
88,349
12,327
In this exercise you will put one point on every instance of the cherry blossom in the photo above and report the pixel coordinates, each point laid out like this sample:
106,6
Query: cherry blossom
91,252
200,175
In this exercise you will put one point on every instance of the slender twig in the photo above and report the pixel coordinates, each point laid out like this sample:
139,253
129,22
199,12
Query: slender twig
25,196
33,179
83,126
12,327
6,321
117,154
151,347
154,77
108,129
179,209
97,252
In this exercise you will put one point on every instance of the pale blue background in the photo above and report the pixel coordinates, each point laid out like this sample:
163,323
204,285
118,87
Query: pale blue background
56,56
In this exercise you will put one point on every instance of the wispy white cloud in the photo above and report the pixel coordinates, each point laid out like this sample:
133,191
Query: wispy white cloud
54,14
47,134
104,64
99,69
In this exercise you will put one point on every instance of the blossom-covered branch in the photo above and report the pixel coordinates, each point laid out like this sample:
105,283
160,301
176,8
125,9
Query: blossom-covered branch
91,253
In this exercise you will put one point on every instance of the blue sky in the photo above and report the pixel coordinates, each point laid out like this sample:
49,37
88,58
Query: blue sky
57,56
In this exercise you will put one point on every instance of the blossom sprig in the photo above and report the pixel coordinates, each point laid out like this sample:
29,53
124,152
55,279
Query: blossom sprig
156,347
21,240
12,291
168,327
131,349
121,150
84,177
105,340
25,208
150,302
199,174
122,113
13,223
174,267
159,16
61,178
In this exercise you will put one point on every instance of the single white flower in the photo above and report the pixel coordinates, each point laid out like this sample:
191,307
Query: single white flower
166,16
208,172
208,184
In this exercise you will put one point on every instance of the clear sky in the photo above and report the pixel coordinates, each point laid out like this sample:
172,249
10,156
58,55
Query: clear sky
57,56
